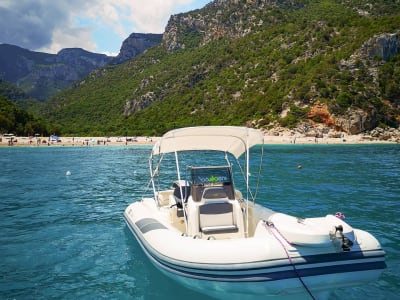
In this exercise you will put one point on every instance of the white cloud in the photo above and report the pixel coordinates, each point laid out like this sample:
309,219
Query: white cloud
71,38
152,16
48,25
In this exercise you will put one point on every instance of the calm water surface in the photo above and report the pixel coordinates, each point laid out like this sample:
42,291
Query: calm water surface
64,237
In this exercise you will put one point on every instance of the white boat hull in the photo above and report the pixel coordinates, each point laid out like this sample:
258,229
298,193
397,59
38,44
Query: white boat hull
203,234
251,267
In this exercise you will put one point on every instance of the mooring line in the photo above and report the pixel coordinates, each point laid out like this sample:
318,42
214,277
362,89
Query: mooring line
269,225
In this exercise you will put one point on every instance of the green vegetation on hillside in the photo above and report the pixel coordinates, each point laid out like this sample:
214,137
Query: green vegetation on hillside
292,59
16,120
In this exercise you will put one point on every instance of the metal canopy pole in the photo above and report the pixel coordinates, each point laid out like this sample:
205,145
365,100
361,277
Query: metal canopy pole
180,187
247,183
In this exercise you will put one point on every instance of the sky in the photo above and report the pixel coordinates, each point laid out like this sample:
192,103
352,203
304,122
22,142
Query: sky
98,26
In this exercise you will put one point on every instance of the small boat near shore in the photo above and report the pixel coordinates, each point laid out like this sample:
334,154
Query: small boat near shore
203,231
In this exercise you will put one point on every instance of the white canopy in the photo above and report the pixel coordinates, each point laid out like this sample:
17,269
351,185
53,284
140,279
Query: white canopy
232,139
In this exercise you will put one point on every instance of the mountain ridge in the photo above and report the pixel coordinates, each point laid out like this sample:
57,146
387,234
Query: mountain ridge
42,75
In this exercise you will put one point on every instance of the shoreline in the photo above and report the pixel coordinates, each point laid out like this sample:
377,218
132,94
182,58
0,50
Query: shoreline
129,141
309,140
77,141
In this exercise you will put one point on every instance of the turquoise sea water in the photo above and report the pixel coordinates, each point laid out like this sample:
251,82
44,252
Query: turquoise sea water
64,237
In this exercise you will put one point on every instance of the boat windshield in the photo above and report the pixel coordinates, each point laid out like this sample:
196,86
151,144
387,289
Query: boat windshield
220,175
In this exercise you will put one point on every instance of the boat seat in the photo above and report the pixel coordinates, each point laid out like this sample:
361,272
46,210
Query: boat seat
217,217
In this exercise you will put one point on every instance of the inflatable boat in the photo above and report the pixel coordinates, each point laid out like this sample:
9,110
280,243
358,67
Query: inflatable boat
199,229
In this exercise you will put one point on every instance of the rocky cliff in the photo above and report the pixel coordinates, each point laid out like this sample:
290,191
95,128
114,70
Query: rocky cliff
136,44
375,52
222,19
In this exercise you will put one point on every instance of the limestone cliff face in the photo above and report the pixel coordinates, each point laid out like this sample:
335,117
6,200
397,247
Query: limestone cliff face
383,46
356,121
220,18
136,44
372,54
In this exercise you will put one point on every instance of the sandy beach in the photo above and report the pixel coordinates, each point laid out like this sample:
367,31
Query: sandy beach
344,139
125,141
77,141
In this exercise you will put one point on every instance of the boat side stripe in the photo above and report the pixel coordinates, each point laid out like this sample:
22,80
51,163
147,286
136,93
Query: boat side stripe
251,274
268,274
149,224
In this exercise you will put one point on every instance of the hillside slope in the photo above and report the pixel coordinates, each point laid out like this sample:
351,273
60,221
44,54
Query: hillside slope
16,120
332,64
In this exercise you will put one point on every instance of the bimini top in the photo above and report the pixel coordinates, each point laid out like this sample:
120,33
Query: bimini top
231,139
